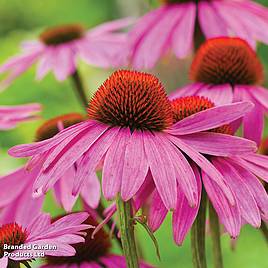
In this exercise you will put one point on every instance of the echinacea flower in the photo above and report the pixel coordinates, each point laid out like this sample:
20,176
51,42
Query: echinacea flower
95,252
227,70
19,184
59,48
176,23
37,237
10,116
129,129
240,172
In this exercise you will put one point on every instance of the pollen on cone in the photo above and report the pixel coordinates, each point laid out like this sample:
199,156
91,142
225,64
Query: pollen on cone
133,100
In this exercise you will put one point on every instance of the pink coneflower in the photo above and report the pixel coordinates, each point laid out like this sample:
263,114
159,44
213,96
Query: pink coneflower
19,183
240,173
175,24
10,116
95,252
227,70
129,129
59,48
38,232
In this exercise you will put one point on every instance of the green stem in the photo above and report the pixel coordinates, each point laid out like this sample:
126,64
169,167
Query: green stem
215,236
264,230
79,88
127,232
13,264
198,233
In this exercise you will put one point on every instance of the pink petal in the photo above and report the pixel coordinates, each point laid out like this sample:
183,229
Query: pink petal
135,166
156,41
92,157
219,144
210,20
188,90
234,23
185,175
253,118
218,94
113,165
184,215
91,191
162,169
64,61
245,200
211,118
182,37
157,212
260,94
25,150
254,186
63,190
228,215
206,166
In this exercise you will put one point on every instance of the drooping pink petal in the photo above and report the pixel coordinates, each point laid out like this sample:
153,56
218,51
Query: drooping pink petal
64,61
162,169
211,21
45,63
92,158
114,164
26,150
157,212
254,186
156,40
135,166
245,200
206,166
111,26
184,174
229,215
211,118
218,94
184,215
63,190
182,37
253,118
219,144
260,94
23,209
17,65
13,184
253,16
234,22
145,191
91,191
188,90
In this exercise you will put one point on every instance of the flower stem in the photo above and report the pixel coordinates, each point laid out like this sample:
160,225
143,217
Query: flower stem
198,235
215,236
78,86
264,230
127,232
13,264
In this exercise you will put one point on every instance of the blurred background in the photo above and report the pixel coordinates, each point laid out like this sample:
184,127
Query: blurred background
22,20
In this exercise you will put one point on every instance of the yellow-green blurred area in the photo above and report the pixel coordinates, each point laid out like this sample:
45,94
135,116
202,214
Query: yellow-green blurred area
25,19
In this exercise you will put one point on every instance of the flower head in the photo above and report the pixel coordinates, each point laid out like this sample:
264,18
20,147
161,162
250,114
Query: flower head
93,252
175,24
19,184
227,70
38,232
136,145
240,171
59,48
10,116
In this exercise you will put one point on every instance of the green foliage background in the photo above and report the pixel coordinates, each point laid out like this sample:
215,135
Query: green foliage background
22,20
